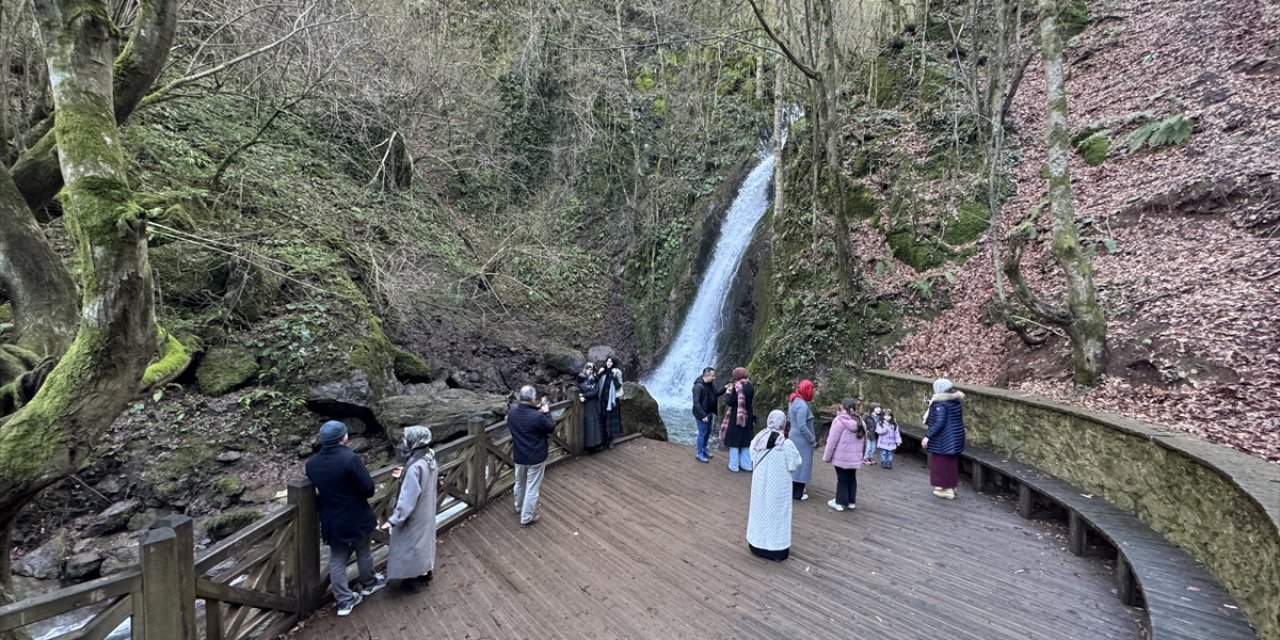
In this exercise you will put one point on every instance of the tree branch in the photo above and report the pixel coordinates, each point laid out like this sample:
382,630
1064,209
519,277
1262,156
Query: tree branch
1013,271
786,51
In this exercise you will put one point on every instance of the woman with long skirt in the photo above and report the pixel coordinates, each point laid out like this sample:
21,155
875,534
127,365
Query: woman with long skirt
944,439
592,420
610,394
413,522
774,458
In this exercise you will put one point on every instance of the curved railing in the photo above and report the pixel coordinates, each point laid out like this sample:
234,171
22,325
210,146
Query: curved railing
260,581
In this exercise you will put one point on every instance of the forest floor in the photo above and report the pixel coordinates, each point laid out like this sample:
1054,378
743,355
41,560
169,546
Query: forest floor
1186,237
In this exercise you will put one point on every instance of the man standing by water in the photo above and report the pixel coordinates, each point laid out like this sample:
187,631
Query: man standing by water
343,488
530,425
706,395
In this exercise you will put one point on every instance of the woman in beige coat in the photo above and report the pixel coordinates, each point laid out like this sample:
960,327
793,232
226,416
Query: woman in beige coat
413,523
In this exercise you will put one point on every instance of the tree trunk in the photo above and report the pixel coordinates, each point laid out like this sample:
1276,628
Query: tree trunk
50,436
36,172
1088,326
38,285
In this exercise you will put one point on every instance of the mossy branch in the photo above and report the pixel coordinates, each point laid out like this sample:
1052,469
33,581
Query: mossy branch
1013,271
174,358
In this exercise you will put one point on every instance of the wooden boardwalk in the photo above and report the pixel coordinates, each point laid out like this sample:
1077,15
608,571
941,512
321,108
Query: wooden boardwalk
644,542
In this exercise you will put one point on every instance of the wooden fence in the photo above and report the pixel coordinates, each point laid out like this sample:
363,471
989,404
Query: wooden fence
259,582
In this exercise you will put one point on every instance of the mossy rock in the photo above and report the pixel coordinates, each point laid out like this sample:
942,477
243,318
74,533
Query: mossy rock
189,276
410,368
1094,149
972,219
1073,19
226,369
252,290
920,255
860,204
229,522
6,313
229,486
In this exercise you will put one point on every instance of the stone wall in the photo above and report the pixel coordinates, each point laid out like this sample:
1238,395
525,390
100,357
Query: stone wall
1221,505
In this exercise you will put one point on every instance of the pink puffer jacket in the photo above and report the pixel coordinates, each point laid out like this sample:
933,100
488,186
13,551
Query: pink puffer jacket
844,447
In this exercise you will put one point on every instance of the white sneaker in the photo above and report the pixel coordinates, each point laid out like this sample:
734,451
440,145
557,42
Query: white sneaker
851,506
804,496
832,503
344,610
379,581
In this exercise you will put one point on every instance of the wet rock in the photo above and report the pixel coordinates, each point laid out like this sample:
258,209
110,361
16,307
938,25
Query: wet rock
83,566
640,412
114,519
44,562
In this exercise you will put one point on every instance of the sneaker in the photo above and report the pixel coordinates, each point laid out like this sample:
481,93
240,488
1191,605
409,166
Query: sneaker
949,494
851,506
804,496
702,458
530,521
345,608
833,505
379,581
428,576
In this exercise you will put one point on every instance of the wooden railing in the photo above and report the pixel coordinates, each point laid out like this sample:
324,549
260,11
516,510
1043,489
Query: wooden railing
259,582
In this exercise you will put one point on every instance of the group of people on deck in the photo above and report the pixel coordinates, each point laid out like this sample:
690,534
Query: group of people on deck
780,456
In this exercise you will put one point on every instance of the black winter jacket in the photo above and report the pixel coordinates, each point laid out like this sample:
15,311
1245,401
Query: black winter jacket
529,430
705,398
343,486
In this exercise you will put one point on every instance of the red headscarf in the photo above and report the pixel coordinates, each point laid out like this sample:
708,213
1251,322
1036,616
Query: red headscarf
739,374
803,390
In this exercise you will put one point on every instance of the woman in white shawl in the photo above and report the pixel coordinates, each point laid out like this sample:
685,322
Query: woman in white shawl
413,523
773,458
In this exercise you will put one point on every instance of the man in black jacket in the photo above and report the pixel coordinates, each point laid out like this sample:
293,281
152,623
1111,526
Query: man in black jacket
706,395
530,425
343,486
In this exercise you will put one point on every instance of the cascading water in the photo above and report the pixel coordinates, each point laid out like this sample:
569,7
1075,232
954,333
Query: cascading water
694,347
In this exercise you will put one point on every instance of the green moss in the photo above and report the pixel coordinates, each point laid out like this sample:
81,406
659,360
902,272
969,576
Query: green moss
6,313
1073,19
1094,149
972,219
225,369
229,522
174,359
229,486
409,367
860,204
919,254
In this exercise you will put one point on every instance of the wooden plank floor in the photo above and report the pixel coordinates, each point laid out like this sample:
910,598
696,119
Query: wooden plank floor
644,542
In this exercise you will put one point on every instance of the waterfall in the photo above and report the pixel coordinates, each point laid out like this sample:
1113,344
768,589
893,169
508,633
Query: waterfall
694,347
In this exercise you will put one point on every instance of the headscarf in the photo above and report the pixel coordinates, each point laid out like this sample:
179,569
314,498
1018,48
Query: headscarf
804,391
417,444
777,420
739,374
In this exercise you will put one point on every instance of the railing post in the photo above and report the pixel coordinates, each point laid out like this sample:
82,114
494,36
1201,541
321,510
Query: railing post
165,609
477,485
306,544
576,428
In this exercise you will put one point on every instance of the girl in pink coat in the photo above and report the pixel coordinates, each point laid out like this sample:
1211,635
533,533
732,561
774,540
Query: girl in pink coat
844,450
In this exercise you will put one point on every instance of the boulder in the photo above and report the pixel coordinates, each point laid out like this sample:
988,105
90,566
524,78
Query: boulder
45,561
566,361
230,457
120,558
114,519
229,522
445,411
83,566
599,352
358,444
640,412
349,397
226,369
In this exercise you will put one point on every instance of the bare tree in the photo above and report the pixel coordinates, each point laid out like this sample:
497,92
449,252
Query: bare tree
1083,318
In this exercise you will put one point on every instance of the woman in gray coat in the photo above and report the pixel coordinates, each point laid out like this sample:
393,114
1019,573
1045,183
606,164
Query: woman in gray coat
800,417
413,523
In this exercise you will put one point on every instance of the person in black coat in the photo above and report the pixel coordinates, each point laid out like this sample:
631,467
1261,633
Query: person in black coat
530,424
592,421
706,395
610,395
739,420
343,488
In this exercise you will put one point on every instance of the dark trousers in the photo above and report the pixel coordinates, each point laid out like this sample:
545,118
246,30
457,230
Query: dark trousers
797,490
846,486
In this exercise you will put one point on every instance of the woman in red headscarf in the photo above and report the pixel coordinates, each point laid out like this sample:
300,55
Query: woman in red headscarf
800,417
739,420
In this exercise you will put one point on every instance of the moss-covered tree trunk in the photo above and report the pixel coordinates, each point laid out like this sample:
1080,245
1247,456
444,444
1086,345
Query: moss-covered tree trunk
50,436
37,172
1087,326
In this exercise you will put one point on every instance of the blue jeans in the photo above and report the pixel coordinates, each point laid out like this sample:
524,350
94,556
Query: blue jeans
871,449
740,458
886,455
704,432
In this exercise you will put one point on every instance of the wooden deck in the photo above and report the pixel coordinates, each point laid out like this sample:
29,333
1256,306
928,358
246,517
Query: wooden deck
644,542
